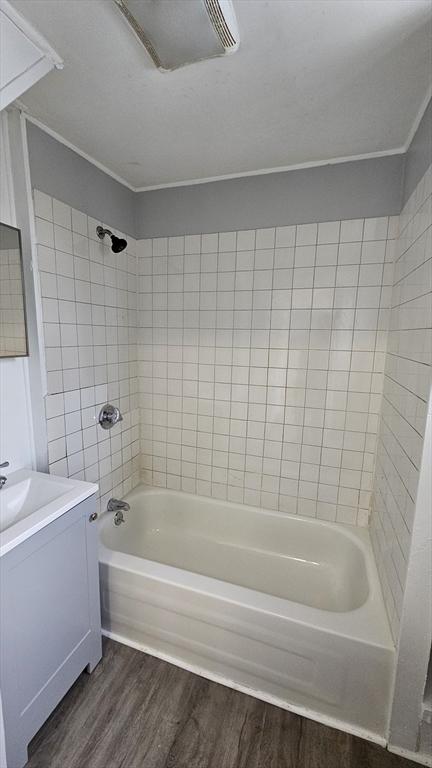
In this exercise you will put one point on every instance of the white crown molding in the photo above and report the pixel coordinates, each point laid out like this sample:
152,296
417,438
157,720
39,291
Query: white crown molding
261,172
418,118
278,169
71,146
313,164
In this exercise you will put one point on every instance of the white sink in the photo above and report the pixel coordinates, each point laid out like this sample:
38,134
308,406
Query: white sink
30,500
23,497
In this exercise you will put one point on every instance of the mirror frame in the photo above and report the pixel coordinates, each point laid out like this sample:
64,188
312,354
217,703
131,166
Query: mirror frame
27,352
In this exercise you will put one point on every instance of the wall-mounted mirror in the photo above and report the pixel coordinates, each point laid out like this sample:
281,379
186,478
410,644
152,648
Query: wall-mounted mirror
13,329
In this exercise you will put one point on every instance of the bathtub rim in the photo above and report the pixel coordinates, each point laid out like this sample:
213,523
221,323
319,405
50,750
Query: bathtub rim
367,623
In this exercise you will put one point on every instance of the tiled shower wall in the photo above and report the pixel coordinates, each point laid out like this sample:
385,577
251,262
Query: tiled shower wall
407,388
88,297
261,363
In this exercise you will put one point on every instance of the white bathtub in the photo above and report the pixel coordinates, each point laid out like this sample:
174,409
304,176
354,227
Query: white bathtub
285,608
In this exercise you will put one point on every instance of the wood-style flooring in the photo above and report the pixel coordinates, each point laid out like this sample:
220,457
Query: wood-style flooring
136,711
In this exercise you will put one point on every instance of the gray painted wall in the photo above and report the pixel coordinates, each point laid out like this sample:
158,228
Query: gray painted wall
60,172
376,187
419,155
344,191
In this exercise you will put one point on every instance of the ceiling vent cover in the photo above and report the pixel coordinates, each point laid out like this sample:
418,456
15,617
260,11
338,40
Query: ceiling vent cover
221,25
184,31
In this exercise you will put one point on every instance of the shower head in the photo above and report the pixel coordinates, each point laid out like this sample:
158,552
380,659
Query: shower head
118,244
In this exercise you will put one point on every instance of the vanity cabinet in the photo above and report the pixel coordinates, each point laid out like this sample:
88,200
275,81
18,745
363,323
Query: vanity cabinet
50,622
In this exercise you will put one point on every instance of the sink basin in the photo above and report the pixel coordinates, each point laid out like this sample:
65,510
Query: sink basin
27,496
31,500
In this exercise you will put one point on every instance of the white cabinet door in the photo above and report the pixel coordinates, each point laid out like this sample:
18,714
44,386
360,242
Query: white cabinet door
49,622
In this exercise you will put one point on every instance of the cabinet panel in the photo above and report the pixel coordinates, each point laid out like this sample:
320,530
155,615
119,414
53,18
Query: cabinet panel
50,599
49,620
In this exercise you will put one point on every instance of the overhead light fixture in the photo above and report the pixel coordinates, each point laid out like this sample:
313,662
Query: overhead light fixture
179,32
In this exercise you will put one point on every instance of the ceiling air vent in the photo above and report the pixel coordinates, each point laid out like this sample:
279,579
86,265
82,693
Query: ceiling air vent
221,24
184,31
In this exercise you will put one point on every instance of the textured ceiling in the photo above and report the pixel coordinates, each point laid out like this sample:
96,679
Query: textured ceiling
312,81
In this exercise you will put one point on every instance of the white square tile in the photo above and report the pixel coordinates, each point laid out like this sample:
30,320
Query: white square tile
326,255
375,229
62,214
62,239
328,232
43,205
351,230
160,246
79,222
59,468
306,234
72,401
46,259
54,405
265,238
66,288
52,334
393,227
285,237
227,241
55,428
175,246
209,243
373,252
349,253
192,244
370,274
48,283
305,256
44,233
246,240
347,276
50,310
284,258
64,264
80,245
56,450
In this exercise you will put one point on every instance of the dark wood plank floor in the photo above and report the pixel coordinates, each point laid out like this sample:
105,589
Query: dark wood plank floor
136,711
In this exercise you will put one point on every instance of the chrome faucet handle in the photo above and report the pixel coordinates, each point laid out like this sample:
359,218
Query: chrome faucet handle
109,416
4,465
114,505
